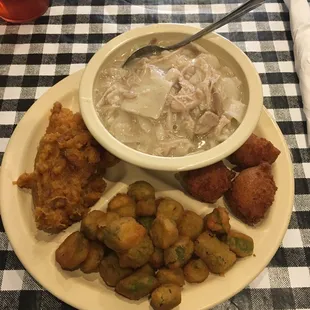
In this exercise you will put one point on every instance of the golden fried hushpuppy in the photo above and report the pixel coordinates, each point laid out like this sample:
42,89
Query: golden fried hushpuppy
137,256
157,258
89,224
242,245
190,225
253,152
163,232
214,253
146,207
157,201
103,222
141,190
208,184
166,297
136,286
179,253
110,270
217,221
196,271
123,205
252,193
73,251
170,276
171,209
93,259
146,221
123,234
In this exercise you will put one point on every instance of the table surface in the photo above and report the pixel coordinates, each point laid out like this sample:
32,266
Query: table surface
35,56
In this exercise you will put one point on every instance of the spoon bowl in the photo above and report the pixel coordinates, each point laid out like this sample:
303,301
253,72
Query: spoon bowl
146,50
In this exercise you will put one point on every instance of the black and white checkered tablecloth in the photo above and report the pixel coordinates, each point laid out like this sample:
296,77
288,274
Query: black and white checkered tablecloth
35,56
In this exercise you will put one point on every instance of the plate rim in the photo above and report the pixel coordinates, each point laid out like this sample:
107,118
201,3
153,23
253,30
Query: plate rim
68,80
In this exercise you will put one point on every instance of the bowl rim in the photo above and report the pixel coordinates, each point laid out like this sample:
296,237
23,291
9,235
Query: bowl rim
188,162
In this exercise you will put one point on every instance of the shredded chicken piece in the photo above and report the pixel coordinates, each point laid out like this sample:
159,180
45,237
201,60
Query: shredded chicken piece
206,122
173,75
189,125
224,121
217,103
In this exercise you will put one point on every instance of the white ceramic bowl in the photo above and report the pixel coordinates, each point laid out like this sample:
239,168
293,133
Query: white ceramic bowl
215,44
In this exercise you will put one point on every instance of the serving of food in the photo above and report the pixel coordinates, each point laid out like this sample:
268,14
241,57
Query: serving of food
172,104
107,234
146,245
143,244
196,104
68,172
249,194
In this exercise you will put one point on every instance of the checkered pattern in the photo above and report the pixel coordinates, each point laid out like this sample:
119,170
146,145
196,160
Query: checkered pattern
36,56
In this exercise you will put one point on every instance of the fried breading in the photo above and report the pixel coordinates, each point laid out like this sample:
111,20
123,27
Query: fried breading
253,152
68,171
208,184
252,193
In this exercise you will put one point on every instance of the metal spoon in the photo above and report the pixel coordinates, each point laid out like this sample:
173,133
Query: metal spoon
235,14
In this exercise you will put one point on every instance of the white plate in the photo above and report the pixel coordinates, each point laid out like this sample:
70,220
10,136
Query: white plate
36,249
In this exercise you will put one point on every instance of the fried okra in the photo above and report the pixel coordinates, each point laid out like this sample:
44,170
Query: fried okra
146,269
110,270
137,256
123,205
146,207
208,184
163,232
242,245
157,258
166,297
179,253
123,234
141,190
89,224
190,225
146,221
217,221
196,271
93,259
102,223
169,276
252,194
136,286
171,209
73,251
254,152
214,253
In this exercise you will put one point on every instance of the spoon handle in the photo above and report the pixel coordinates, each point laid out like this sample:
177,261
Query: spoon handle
235,14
